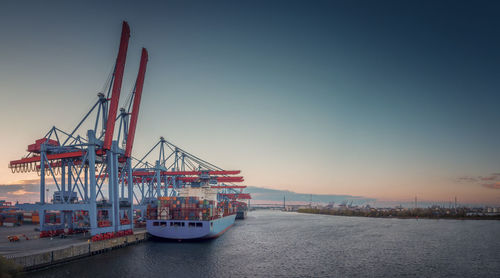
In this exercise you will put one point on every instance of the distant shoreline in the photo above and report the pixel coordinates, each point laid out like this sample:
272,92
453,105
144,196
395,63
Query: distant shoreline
417,214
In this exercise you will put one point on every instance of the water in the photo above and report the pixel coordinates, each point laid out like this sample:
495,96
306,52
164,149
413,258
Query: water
280,244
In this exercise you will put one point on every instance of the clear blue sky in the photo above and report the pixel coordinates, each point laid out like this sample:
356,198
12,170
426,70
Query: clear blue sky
383,99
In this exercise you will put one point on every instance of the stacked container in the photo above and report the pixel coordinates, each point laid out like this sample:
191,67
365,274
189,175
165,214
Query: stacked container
227,208
186,208
11,218
103,218
35,217
53,217
27,217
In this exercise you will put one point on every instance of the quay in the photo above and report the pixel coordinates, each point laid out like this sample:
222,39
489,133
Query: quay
44,252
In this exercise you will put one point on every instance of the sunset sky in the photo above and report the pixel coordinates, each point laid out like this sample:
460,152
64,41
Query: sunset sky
381,99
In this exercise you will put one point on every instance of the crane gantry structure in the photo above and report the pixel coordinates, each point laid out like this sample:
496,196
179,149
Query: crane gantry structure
94,173
165,168
79,165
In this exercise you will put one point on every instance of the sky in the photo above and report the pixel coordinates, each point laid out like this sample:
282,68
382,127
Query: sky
386,100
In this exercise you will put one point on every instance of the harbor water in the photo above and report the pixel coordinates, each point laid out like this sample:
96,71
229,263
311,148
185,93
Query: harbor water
285,244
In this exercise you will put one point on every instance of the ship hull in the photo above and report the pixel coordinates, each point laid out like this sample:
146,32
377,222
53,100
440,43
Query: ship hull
189,229
241,214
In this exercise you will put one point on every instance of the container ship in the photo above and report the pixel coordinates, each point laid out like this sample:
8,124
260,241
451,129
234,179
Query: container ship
192,215
241,209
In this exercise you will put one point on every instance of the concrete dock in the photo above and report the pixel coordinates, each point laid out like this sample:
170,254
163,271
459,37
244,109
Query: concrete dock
43,252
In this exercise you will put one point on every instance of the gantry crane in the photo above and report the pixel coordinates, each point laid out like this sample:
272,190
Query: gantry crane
80,166
85,162
166,167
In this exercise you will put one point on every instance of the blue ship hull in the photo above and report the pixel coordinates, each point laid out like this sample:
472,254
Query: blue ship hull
189,229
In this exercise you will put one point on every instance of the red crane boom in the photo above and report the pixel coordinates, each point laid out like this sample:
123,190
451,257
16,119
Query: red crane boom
219,179
235,196
185,173
137,102
117,85
229,186
56,156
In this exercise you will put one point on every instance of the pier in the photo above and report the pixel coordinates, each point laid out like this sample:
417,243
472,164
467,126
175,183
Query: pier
51,252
